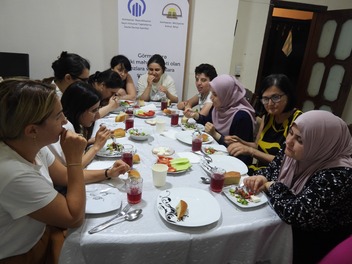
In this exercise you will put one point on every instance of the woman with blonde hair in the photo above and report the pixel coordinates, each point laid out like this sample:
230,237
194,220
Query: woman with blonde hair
31,118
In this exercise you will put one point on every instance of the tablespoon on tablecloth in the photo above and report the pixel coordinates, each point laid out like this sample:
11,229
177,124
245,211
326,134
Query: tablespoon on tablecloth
205,180
131,216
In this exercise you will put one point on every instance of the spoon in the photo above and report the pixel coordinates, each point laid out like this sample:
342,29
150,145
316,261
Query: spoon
131,216
205,180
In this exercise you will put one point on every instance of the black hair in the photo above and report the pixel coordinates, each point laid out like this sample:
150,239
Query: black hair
156,58
110,78
69,63
121,59
77,98
207,69
282,82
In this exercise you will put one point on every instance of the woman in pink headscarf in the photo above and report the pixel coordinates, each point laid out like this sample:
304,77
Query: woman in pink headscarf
309,184
231,113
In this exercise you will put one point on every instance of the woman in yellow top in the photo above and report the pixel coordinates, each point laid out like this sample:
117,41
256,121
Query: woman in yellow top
278,98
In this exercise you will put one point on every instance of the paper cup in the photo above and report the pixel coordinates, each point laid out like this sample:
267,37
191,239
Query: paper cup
159,174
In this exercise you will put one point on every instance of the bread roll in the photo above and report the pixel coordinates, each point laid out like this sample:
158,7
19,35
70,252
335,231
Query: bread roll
136,159
205,137
120,117
181,209
167,111
134,174
119,132
141,103
232,177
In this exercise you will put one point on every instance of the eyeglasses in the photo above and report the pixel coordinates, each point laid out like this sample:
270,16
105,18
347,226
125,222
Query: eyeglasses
274,98
79,78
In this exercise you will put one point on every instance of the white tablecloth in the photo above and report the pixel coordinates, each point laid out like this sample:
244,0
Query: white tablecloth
240,236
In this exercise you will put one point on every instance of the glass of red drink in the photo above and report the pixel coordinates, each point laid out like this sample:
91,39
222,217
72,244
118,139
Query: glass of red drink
134,188
127,154
129,122
163,104
217,178
196,142
174,118
129,111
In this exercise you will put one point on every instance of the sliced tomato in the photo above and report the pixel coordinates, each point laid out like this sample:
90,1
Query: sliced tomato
149,113
171,169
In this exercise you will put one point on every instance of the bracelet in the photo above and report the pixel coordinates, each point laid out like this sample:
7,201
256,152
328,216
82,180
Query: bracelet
106,174
74,164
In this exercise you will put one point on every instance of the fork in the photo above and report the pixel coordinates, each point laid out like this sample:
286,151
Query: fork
206,156
121,213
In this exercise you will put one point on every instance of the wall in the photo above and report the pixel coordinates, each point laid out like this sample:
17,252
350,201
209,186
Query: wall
252,17
89,27
210,38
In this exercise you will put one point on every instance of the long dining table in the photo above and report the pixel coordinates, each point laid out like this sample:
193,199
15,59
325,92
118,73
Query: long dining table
240,235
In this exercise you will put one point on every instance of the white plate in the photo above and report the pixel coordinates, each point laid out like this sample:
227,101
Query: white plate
101,198
186,137
197,213
105,153
250,204
139,130
144,117
219,149
199,126
163,151
126,103
228,163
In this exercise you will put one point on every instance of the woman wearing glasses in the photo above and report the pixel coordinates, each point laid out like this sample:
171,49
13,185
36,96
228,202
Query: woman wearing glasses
68,68
108,83
278,98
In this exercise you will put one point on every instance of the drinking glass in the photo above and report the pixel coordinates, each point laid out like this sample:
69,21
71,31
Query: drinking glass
160,126
196,142
134,188
127,154
163,104
129,121
174,118
217,178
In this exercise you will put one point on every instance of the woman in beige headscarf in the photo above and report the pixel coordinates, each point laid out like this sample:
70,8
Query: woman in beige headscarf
309,184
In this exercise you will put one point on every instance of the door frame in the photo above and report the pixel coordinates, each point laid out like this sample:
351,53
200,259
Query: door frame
285,5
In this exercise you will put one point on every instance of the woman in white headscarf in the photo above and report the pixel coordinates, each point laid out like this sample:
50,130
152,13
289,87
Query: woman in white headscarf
309,184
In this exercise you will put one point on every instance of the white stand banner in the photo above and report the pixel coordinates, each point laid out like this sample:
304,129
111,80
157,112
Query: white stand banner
148,27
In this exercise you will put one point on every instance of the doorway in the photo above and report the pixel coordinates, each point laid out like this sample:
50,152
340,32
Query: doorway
286,39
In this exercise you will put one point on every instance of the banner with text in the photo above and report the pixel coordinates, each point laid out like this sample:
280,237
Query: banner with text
148,27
